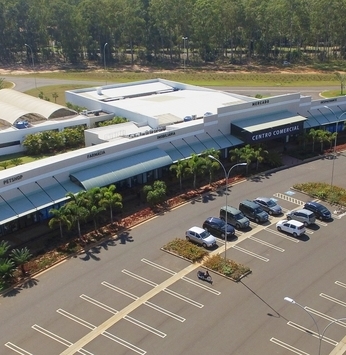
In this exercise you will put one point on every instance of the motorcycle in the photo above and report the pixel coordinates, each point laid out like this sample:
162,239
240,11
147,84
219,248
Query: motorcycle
204,276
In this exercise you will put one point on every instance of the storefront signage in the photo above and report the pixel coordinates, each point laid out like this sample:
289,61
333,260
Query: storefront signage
165,135
12,179
96,154
275,133
328,101
262,102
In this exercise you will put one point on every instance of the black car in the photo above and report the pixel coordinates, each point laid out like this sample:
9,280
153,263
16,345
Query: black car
321,212
216,226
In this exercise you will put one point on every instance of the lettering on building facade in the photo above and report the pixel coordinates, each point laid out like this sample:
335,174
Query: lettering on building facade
164,135
262,102
12,179
275,133
96,154
328,101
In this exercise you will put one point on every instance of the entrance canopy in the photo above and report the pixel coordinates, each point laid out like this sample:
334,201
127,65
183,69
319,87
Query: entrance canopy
121,169
267,127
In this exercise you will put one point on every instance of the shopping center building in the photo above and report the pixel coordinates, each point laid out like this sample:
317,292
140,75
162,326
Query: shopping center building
167,121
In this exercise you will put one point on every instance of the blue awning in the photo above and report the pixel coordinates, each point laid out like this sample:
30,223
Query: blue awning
121,169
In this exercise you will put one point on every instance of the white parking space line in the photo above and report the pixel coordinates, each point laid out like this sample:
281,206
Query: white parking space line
139,278
149,304
145,326
157,266
17,349
312,333
288,347
183,298
289,199
322,315
165,311
282,235
339,283
266,244
76,319
123,292
204,287
58,339
321,223
308,231
250,253
98,304
332,299
124,343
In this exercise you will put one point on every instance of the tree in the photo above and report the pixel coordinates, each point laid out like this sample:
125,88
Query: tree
247,154
76,213
55,96
211,165
323,136
110,199
4,247
59,217
180,168
313,134
259,155
21,257
342,79
195,164
16,161
156,193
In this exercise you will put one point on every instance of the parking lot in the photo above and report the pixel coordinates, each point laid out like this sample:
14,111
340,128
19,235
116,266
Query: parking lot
133,298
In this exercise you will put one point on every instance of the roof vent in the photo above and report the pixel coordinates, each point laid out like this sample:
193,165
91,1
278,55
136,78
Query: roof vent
99,91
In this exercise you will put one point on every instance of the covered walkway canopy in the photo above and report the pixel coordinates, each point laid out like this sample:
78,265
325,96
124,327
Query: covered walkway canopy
121,169
16,106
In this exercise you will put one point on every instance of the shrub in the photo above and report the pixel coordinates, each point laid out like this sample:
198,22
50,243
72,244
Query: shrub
226,267
186,249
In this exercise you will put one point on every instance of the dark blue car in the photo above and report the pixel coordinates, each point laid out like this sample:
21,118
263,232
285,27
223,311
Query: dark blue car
321,212
216,226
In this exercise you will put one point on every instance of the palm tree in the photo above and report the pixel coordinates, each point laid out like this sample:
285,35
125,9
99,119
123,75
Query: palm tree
194,165
247,154
4,247
180,169
313,134
259,154
322,137
235,154
21,257
60,218
110,199
76,213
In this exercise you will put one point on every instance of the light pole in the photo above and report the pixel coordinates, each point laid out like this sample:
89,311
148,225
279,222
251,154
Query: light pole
184,39
104,58
226,191
290,300
336,135
32,59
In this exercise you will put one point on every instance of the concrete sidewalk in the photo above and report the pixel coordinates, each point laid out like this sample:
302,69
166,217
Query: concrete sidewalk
340,349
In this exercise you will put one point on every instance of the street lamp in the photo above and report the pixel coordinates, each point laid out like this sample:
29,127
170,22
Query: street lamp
33,64
290,300
184,39
226,190
336,135
104,58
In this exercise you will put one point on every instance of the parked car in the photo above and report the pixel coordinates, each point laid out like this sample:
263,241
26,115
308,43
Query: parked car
253,211
216,226
320,211
305,216
293,227
234,217
200,236
268,205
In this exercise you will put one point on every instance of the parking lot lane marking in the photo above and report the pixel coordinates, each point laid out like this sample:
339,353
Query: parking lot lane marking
98,304
321,223
145,326
157,266
288,347
181,297
335,300
339,283
266,244
312,333
292,239
251,253
117,289
322,315
204,287
165,311
289,199
140,278
128,345
17,349
308,231
76,319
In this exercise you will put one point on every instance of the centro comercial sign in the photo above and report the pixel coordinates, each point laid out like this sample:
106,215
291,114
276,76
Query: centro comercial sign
275,133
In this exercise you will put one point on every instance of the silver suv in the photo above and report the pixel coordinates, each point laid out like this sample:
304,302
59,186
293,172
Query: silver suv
200,236
305,216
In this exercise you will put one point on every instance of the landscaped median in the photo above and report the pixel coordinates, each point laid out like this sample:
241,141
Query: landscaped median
193,253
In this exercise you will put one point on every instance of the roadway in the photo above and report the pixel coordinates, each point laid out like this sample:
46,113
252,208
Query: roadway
129,297
24,83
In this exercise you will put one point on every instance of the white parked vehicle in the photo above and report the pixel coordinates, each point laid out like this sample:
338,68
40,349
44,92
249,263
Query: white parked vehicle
293,227
200,236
